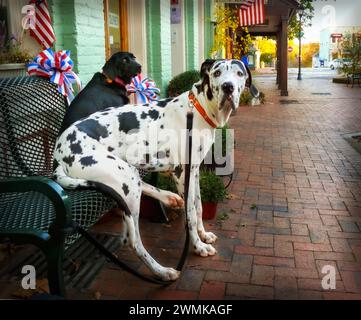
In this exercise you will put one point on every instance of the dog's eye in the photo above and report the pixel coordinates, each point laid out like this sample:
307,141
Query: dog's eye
217,73
240,74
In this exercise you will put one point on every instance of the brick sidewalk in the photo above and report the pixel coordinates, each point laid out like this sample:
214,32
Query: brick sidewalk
293,164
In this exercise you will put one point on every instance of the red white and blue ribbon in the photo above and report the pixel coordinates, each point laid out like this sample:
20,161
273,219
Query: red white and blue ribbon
57,66
144,89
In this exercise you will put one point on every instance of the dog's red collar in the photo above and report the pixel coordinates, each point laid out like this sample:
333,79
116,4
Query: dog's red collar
200,109
117,80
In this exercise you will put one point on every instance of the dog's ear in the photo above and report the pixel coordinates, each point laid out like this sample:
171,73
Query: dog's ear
249,79
206,67
253,90
110,68
245,69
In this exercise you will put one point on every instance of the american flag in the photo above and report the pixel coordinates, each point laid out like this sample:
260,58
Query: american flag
251,12
43,31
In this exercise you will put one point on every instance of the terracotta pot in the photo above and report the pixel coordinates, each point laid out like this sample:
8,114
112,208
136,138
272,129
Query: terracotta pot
209,210
149,209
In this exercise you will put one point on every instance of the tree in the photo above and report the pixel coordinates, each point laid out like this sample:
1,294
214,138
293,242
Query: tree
292,56
351,47
229,36
294,27
267,47
297,24
308,51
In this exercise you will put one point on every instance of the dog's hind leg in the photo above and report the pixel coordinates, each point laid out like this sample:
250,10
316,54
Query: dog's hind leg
170,199
122,180
67,182
71,183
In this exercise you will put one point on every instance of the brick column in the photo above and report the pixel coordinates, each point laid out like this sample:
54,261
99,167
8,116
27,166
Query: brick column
191,25
90,37
278,66
159,42
79,27
208,28
284,58
63,17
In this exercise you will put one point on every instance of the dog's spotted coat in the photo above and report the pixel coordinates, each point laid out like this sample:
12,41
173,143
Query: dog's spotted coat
94,151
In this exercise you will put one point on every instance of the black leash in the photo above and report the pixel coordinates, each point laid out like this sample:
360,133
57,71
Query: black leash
187,175
121,203
116,261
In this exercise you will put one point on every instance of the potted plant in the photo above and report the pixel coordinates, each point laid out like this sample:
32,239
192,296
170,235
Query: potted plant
13,59
212,191
149,207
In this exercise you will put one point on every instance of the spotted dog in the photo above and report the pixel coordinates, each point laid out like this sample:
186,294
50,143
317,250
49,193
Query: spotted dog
107,149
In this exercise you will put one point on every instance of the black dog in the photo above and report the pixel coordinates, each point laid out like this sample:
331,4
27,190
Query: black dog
105,90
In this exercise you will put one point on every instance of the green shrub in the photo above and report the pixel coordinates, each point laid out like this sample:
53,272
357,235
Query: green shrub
182,83
246,98
163,182
262,97
267,58
212,187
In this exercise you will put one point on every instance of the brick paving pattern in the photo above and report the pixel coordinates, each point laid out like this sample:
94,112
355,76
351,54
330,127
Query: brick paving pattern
297,208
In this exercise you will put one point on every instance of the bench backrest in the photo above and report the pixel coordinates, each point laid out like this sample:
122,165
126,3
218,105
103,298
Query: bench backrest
31,113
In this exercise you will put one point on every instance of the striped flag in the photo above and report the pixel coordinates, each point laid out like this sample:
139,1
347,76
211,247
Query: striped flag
251,13
246,4
42,31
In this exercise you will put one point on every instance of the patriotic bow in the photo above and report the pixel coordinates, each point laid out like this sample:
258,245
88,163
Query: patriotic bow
57,66
144,89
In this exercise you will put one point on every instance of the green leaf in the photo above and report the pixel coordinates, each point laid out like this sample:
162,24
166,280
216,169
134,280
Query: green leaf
212,187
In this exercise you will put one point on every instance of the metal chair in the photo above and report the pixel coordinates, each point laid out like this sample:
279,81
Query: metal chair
33,208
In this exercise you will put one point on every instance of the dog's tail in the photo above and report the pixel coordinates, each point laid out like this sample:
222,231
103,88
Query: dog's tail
72,183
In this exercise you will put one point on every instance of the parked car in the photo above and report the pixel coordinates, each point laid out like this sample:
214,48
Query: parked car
338,63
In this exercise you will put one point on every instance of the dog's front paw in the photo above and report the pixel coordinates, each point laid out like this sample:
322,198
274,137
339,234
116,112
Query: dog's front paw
174,201
204,250
207,237
169,274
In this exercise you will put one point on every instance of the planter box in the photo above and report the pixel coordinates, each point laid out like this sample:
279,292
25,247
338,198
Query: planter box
12,70
209,210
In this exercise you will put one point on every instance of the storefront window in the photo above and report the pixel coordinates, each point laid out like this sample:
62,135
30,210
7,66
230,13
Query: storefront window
3,23
115,12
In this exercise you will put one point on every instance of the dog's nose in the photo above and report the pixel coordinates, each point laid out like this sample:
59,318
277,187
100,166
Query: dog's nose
227,87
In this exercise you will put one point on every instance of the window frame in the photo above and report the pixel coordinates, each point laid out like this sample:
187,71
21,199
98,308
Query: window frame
123,25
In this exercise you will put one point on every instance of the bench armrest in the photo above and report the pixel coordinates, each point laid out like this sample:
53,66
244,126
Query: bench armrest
53,191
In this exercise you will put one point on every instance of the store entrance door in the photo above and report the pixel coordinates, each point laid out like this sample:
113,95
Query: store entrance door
116,26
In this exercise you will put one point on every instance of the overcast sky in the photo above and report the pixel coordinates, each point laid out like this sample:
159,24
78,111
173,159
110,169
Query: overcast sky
344,13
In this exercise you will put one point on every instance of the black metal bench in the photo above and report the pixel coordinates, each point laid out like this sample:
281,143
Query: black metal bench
33,208
352,77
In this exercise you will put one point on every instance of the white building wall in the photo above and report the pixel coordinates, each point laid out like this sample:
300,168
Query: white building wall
178,43
137,37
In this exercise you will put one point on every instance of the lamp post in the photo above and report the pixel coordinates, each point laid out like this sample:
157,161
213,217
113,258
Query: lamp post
299,77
